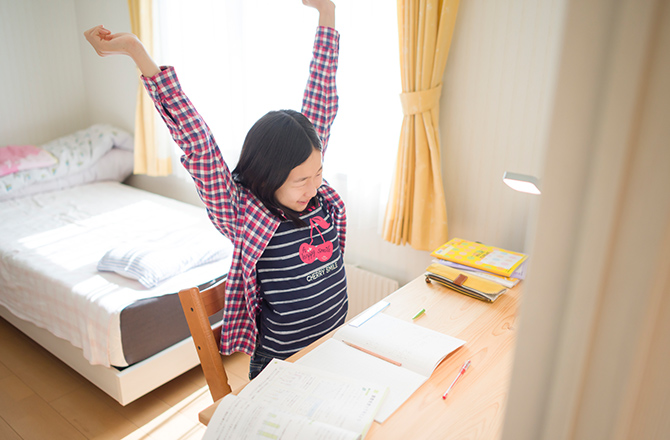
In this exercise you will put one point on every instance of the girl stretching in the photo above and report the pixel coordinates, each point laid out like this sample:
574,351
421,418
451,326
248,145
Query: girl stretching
287,285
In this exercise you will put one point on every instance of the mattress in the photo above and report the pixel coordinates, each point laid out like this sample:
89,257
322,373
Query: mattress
50,246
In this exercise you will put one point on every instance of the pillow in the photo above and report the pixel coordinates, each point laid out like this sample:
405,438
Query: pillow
151,263
15,158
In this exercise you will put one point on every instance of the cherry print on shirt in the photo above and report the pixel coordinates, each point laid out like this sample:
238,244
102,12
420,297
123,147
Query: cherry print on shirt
322,252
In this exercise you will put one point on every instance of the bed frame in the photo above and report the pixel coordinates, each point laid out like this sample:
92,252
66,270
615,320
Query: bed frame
113,148
125,385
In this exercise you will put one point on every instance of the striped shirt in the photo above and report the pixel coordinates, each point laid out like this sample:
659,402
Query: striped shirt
303,284
233,209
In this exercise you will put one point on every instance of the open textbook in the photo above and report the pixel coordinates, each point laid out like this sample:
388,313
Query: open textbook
291,401
404,356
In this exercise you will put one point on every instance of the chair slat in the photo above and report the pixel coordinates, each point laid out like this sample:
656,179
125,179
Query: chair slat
198,307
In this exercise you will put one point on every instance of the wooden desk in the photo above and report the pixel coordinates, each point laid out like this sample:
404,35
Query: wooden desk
476,405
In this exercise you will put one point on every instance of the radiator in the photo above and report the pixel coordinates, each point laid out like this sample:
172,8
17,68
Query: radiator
366,288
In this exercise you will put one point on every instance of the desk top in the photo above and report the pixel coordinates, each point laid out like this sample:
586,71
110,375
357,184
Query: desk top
476,405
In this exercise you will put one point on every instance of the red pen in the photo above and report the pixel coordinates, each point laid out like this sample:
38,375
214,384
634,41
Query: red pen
460,373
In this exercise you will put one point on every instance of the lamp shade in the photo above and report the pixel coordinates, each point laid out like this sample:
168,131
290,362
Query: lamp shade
522,182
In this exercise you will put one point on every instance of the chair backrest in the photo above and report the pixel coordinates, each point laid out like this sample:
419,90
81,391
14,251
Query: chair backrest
198,307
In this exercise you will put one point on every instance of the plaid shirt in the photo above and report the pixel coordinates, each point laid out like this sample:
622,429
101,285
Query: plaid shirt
233,209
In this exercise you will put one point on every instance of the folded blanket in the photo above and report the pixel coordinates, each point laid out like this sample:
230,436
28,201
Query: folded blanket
72,154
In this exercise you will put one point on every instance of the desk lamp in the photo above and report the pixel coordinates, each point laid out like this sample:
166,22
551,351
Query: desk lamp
522,182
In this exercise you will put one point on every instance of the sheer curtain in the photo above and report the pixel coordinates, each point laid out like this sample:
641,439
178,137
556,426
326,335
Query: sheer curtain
151,158
239,59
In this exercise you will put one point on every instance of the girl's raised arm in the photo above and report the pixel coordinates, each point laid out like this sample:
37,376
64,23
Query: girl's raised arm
320,100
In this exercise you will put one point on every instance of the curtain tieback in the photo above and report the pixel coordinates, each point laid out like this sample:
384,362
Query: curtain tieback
421,101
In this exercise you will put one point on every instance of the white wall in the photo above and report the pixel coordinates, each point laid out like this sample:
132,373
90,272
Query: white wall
495,106
111,84
498,91
51,83
41,73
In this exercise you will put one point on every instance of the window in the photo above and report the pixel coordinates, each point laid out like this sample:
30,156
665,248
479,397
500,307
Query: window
239,59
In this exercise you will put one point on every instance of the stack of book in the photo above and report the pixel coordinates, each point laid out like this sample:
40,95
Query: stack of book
475,269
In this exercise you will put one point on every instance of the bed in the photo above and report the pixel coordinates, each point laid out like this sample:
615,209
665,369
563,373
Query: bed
90,268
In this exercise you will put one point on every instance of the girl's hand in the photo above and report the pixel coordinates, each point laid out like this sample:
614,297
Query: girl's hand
326,10
317,3
105,43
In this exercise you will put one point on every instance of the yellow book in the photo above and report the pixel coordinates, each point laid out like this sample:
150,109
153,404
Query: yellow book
480,256
471,285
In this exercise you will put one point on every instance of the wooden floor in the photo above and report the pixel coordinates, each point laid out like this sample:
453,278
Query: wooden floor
42,398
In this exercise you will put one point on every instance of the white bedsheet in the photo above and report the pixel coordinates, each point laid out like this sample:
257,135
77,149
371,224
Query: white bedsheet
49,247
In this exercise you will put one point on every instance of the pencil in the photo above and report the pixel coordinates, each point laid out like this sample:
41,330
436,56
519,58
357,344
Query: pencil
419,313
364,350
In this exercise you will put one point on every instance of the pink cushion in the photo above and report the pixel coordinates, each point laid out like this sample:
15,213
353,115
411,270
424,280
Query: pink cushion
15,158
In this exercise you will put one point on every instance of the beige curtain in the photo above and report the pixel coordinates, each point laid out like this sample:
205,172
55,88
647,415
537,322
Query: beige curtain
416,213
149,159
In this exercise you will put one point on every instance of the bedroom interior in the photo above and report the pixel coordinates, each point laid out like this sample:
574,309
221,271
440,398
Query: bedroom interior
535,88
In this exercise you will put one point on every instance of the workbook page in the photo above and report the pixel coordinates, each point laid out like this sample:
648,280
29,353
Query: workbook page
243,419
337,357
415,347
319,395
398,354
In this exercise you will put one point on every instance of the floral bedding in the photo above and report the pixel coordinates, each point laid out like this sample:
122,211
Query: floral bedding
73,153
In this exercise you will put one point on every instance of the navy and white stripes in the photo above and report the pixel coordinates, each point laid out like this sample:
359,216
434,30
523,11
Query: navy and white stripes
303,283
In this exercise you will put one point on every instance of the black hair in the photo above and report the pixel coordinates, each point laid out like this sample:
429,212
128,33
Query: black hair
278,142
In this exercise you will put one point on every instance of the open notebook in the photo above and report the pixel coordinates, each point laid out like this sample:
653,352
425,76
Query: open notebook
294,402
411,355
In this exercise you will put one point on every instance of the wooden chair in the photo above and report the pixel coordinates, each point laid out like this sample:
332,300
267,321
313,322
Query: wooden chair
198,307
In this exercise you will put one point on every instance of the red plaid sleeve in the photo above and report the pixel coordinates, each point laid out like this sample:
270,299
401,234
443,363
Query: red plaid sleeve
320,99
202,158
